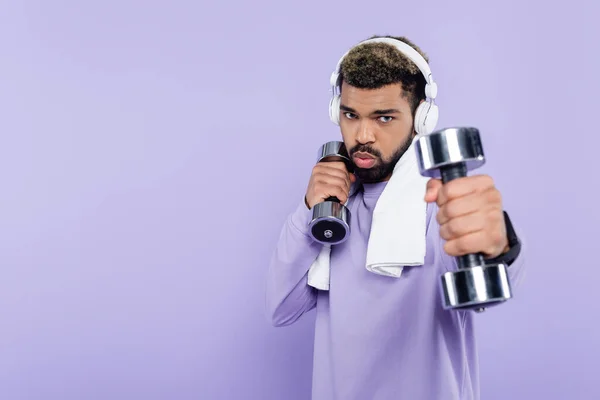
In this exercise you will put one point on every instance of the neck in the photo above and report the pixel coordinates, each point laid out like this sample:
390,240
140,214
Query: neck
374,188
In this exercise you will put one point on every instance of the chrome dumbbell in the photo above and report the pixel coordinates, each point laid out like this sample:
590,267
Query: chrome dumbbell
448,154
330,223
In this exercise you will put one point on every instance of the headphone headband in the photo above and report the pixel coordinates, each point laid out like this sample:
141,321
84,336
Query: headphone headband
404,48
426,114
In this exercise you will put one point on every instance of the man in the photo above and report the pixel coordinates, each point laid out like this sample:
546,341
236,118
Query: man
382,337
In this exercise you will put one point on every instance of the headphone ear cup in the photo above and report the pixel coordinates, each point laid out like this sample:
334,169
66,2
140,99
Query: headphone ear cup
333,79
432,118
426,118
334,109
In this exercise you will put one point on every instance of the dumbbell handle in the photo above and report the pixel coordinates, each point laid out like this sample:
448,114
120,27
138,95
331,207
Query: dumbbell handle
333,158
449,173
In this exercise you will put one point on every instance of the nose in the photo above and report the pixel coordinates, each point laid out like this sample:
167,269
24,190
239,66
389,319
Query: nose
364,132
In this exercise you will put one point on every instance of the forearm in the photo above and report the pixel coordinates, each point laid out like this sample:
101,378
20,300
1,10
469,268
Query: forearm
288,296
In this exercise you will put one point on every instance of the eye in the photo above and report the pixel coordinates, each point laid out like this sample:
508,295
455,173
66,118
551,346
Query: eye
386,119
349,115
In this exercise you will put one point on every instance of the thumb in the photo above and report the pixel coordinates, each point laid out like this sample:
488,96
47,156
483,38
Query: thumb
433,188
352,178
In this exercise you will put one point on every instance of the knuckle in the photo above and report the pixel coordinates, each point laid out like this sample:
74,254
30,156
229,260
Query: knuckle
463,245
450,189
499,217
451,209
335,171
453,228
497,237
317,176
491,248
494,196
450,248
440,216
444,233
487,180
443,196
338,181
493,218
337,165
498,197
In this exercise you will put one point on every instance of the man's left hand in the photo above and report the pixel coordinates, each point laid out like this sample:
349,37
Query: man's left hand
470,215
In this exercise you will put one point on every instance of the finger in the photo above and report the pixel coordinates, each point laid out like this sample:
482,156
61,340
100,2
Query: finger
467,204
333,191
463,225
333,180
474,242
433,187
463,186
333,170
343,168
339,165
350,178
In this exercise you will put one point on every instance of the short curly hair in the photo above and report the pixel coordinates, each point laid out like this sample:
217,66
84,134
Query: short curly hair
374,65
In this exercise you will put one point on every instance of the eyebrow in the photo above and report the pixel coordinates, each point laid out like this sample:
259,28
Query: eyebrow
376,112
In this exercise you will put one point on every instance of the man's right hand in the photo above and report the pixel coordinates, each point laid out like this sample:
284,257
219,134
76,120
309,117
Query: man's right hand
328,179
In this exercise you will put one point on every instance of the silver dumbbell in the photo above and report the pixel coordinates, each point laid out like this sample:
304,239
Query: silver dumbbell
448,154
330,223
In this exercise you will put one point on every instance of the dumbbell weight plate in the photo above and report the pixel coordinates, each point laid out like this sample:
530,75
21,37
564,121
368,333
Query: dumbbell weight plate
333,151
448,147
476,288
330,222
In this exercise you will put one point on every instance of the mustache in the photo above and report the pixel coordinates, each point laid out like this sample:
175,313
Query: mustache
363,148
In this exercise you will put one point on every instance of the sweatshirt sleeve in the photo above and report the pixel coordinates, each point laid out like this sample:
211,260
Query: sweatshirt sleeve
288,295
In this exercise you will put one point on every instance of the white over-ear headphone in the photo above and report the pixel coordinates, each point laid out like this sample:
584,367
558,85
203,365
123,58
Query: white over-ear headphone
426,115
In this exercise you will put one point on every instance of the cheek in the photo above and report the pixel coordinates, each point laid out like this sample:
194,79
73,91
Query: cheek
348,137
393,139
389,143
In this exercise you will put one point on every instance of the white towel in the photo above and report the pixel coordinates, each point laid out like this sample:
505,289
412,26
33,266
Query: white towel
398,229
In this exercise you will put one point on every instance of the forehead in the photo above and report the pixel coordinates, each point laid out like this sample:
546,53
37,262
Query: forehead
390,96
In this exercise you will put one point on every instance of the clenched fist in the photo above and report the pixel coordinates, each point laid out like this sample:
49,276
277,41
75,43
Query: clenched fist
470,215
328,179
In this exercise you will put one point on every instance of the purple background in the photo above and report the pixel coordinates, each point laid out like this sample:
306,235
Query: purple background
140,200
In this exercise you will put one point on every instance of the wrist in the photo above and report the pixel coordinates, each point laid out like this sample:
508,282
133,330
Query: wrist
301,217
513,245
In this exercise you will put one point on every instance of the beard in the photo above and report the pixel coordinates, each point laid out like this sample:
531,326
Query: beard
383,168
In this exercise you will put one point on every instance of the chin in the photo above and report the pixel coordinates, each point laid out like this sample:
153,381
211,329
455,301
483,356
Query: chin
377,173
368,178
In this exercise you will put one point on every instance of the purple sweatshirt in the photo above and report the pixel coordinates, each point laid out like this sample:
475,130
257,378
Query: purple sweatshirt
376,337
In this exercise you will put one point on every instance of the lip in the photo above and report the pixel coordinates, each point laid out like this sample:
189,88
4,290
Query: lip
363,160
363,155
